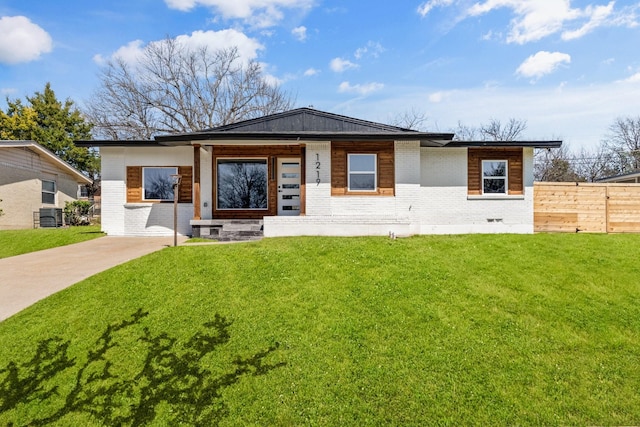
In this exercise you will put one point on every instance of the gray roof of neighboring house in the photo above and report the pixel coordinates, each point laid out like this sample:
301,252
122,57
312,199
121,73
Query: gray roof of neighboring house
32,145
624,176
308,124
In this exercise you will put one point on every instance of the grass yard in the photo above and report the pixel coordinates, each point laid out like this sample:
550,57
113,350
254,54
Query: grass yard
431,330
17,242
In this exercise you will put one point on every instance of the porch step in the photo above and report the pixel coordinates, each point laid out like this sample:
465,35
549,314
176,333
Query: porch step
229,230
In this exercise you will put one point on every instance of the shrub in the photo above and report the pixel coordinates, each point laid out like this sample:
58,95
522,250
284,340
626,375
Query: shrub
77,212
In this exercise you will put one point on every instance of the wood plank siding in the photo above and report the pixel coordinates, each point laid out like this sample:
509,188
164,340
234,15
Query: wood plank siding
269,152
586,207
514,157
385,168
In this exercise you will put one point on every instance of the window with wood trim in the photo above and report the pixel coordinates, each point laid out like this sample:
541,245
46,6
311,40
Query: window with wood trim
242,184
494,176
362,172
380,155
157,183
152,184
486,167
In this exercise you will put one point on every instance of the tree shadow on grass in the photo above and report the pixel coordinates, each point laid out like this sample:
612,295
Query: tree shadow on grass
131,377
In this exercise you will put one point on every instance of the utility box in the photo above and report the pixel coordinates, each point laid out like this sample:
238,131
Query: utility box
51,217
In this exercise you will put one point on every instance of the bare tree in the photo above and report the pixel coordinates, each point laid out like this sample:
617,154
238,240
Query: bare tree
555,165
410,119
174,89
465,133
623,143
593,165
492,131
495,131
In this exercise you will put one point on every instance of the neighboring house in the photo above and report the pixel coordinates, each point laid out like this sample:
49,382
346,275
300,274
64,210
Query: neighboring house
32,177
308,172
627,178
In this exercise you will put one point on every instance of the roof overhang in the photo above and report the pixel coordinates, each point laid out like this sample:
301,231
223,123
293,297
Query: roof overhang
426,139
215,138
34,146
530,144
120,143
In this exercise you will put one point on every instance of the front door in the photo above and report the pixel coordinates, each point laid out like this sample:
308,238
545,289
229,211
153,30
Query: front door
288,186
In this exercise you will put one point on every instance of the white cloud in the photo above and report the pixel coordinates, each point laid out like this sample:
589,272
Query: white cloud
8,91
537,19
129,53
542,63
339,65
571,115
437,97
214,40
427,6
300,33
635,78
373,49
365,89
311,72
22,40
597,17
259,13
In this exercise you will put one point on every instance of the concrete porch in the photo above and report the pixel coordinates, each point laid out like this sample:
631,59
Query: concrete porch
227,230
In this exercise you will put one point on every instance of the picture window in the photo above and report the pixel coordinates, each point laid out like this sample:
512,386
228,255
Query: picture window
362,172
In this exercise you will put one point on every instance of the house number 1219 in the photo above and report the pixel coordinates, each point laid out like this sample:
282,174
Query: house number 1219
317,169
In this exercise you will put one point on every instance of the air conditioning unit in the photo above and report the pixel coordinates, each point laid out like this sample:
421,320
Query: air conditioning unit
51,217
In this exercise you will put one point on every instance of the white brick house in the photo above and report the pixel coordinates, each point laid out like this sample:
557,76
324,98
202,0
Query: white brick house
307,172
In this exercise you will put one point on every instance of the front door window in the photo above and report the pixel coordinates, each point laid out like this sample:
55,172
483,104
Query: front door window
289,186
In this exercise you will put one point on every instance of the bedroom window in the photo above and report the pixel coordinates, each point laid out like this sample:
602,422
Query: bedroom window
157,183
242,183
49,192
494,176
362,172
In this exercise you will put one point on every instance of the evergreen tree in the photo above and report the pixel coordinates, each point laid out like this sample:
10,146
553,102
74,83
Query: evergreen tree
54,125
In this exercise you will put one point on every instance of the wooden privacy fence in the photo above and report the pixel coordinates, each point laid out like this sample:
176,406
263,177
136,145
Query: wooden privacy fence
586,207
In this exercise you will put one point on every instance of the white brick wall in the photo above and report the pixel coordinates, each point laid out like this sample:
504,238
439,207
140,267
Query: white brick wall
318,195
431,197
446,207
140,219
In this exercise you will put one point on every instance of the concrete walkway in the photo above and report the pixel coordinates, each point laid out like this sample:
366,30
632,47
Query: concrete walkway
26,279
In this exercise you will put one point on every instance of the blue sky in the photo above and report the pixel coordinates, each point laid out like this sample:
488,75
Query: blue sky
567,67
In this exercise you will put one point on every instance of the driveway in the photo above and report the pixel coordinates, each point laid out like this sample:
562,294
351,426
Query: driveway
26,279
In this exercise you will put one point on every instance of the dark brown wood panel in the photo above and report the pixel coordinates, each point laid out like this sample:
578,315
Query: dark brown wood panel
386,167
514,157
271,153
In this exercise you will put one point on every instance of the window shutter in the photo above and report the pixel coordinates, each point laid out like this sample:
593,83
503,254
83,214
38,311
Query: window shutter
134,184
186,184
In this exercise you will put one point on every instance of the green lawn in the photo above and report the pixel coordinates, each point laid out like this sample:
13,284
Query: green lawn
432,330
16,242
